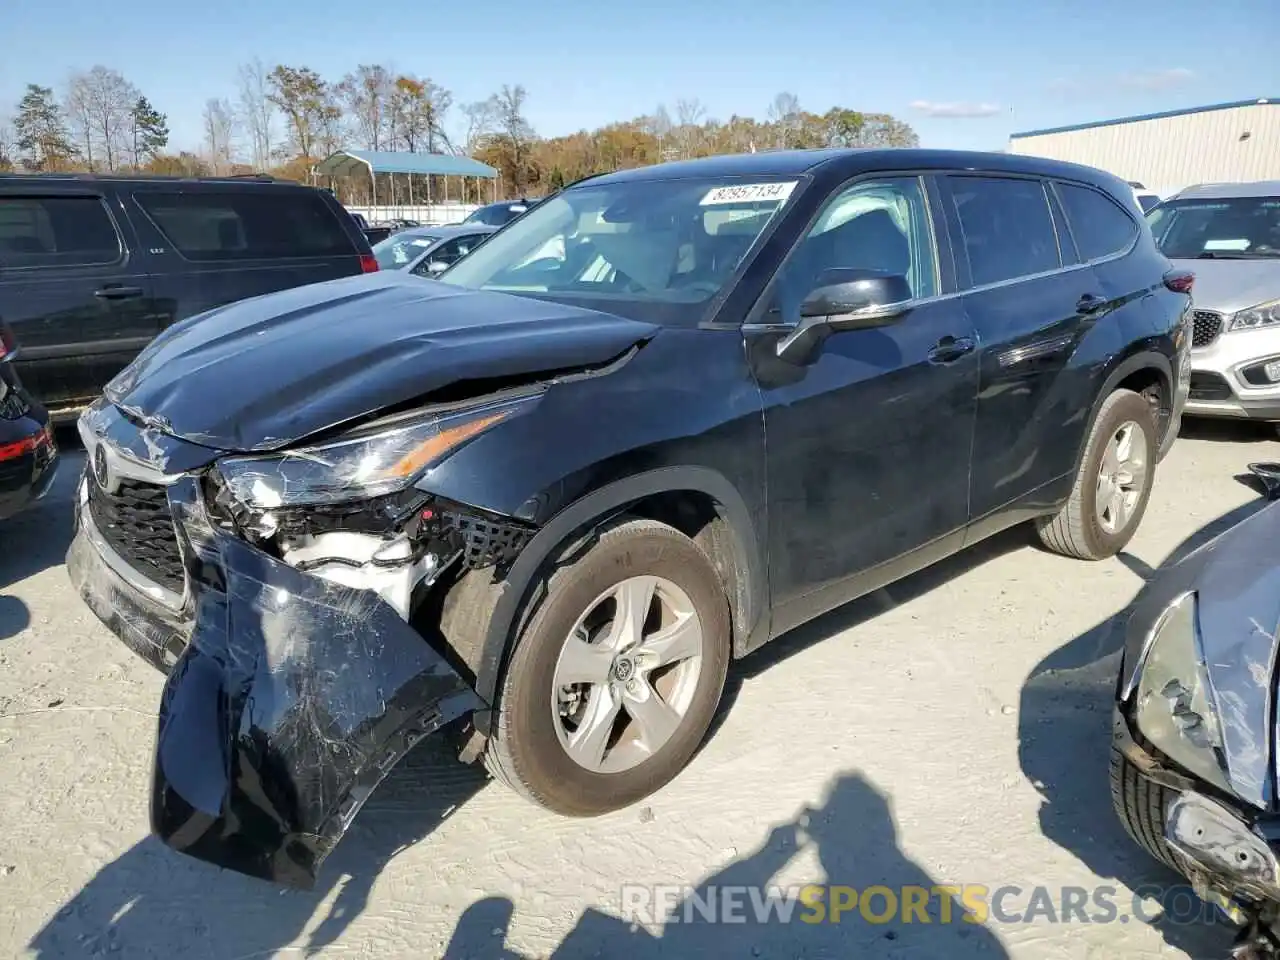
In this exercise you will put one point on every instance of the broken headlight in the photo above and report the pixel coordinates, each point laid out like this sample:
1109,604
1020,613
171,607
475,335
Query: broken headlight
1175,705
371,464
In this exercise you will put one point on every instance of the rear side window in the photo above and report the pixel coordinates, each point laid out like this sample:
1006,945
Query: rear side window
56,232
246,225
1008,230
1099,226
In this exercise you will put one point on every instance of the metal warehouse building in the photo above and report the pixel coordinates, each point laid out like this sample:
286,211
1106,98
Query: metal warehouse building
1168,151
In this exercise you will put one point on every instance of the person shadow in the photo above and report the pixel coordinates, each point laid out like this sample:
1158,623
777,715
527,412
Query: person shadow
853,837
1064,737
153,903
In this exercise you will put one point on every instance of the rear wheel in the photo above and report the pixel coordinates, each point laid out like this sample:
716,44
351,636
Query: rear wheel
1113,483
615,680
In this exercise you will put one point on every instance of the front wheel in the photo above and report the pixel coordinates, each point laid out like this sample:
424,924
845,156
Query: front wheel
615,680
1113,484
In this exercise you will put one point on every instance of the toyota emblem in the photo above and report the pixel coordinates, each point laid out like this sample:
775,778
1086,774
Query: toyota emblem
101,471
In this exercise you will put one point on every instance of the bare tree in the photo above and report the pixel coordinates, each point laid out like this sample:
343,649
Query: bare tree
219,133
101,104
479,123
784,114
256,113
8,146
690,115
78,106
514,131
367,94
660,126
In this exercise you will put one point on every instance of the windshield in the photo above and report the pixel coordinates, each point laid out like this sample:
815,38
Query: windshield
647,242
398,251
1235,228
496,214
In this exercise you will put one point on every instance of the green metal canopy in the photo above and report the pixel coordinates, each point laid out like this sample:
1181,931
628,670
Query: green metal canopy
348,162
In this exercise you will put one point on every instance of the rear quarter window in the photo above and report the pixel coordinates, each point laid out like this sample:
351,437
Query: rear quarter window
246,225
1098,225
57,232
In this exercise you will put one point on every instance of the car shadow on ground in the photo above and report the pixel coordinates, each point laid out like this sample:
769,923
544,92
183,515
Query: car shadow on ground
37,538
855,840
1064,738
154,904
1226,430
866,608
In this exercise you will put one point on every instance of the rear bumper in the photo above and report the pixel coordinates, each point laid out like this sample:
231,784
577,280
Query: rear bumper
288,697
27,477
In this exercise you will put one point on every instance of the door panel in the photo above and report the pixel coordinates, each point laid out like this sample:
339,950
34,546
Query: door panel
1024,301
868,443
73,288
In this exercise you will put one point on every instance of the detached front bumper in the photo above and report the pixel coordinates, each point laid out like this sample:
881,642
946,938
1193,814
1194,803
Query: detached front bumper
288,697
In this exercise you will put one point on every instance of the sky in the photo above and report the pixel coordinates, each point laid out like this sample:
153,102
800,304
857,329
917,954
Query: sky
964,75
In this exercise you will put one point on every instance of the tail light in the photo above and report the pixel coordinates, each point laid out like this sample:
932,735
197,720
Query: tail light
1180,281
8,345
368,263
19,448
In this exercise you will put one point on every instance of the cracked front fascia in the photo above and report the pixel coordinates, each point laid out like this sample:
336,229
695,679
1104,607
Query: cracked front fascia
291,697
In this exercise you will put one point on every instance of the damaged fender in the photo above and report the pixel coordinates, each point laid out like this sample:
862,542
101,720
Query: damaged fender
293,699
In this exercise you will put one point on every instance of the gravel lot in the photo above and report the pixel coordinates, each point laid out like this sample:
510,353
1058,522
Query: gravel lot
953,729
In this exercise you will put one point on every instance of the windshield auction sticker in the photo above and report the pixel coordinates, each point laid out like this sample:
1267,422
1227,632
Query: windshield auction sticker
749,193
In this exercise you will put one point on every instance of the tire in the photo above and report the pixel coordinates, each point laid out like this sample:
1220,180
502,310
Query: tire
1076,531
1141,805
526,751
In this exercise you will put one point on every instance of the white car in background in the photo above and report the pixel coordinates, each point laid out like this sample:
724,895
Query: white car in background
1228,234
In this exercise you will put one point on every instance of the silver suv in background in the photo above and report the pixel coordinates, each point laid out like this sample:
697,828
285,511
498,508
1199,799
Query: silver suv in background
1229,234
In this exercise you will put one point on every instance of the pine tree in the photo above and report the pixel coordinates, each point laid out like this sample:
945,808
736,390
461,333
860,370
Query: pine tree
42,133
150,131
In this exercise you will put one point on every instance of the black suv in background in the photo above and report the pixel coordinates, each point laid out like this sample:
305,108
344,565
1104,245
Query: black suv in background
93,267
660,419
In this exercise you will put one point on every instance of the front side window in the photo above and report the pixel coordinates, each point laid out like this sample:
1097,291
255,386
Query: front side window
246,225
1100,228
878,225
1006,226
1235,228
56,232
642,242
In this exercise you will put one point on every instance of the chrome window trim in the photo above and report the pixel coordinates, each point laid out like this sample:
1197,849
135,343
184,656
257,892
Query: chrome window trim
939,298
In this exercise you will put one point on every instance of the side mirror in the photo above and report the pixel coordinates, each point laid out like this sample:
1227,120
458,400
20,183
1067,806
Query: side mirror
1269,475
845,299
436,267
857,299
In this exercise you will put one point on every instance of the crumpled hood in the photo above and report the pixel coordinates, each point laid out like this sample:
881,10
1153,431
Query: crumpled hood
1237,582
1226,286
262,373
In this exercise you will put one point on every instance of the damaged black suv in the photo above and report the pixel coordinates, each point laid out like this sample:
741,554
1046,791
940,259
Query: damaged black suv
665,416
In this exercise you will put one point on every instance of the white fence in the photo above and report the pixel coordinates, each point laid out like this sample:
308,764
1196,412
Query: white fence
423,213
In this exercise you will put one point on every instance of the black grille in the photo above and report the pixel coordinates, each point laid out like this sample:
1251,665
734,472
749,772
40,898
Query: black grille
1209,386
1207,326
136,522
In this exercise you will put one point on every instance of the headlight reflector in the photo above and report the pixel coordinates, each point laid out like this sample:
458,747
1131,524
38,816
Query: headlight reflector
1175,704
366,466
1263,315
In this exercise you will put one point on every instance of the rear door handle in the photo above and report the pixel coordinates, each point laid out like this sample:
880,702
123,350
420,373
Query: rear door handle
949,349
118,293
1090,303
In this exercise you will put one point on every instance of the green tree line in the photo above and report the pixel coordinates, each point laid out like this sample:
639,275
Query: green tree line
284,119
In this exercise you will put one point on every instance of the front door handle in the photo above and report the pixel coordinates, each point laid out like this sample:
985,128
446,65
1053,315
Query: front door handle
950,349
1090,303
118,293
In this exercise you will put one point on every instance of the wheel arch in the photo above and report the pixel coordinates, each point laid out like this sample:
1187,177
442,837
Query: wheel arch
698,501
1138,371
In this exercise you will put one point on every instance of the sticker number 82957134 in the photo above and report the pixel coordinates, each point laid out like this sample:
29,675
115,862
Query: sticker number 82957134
749,193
